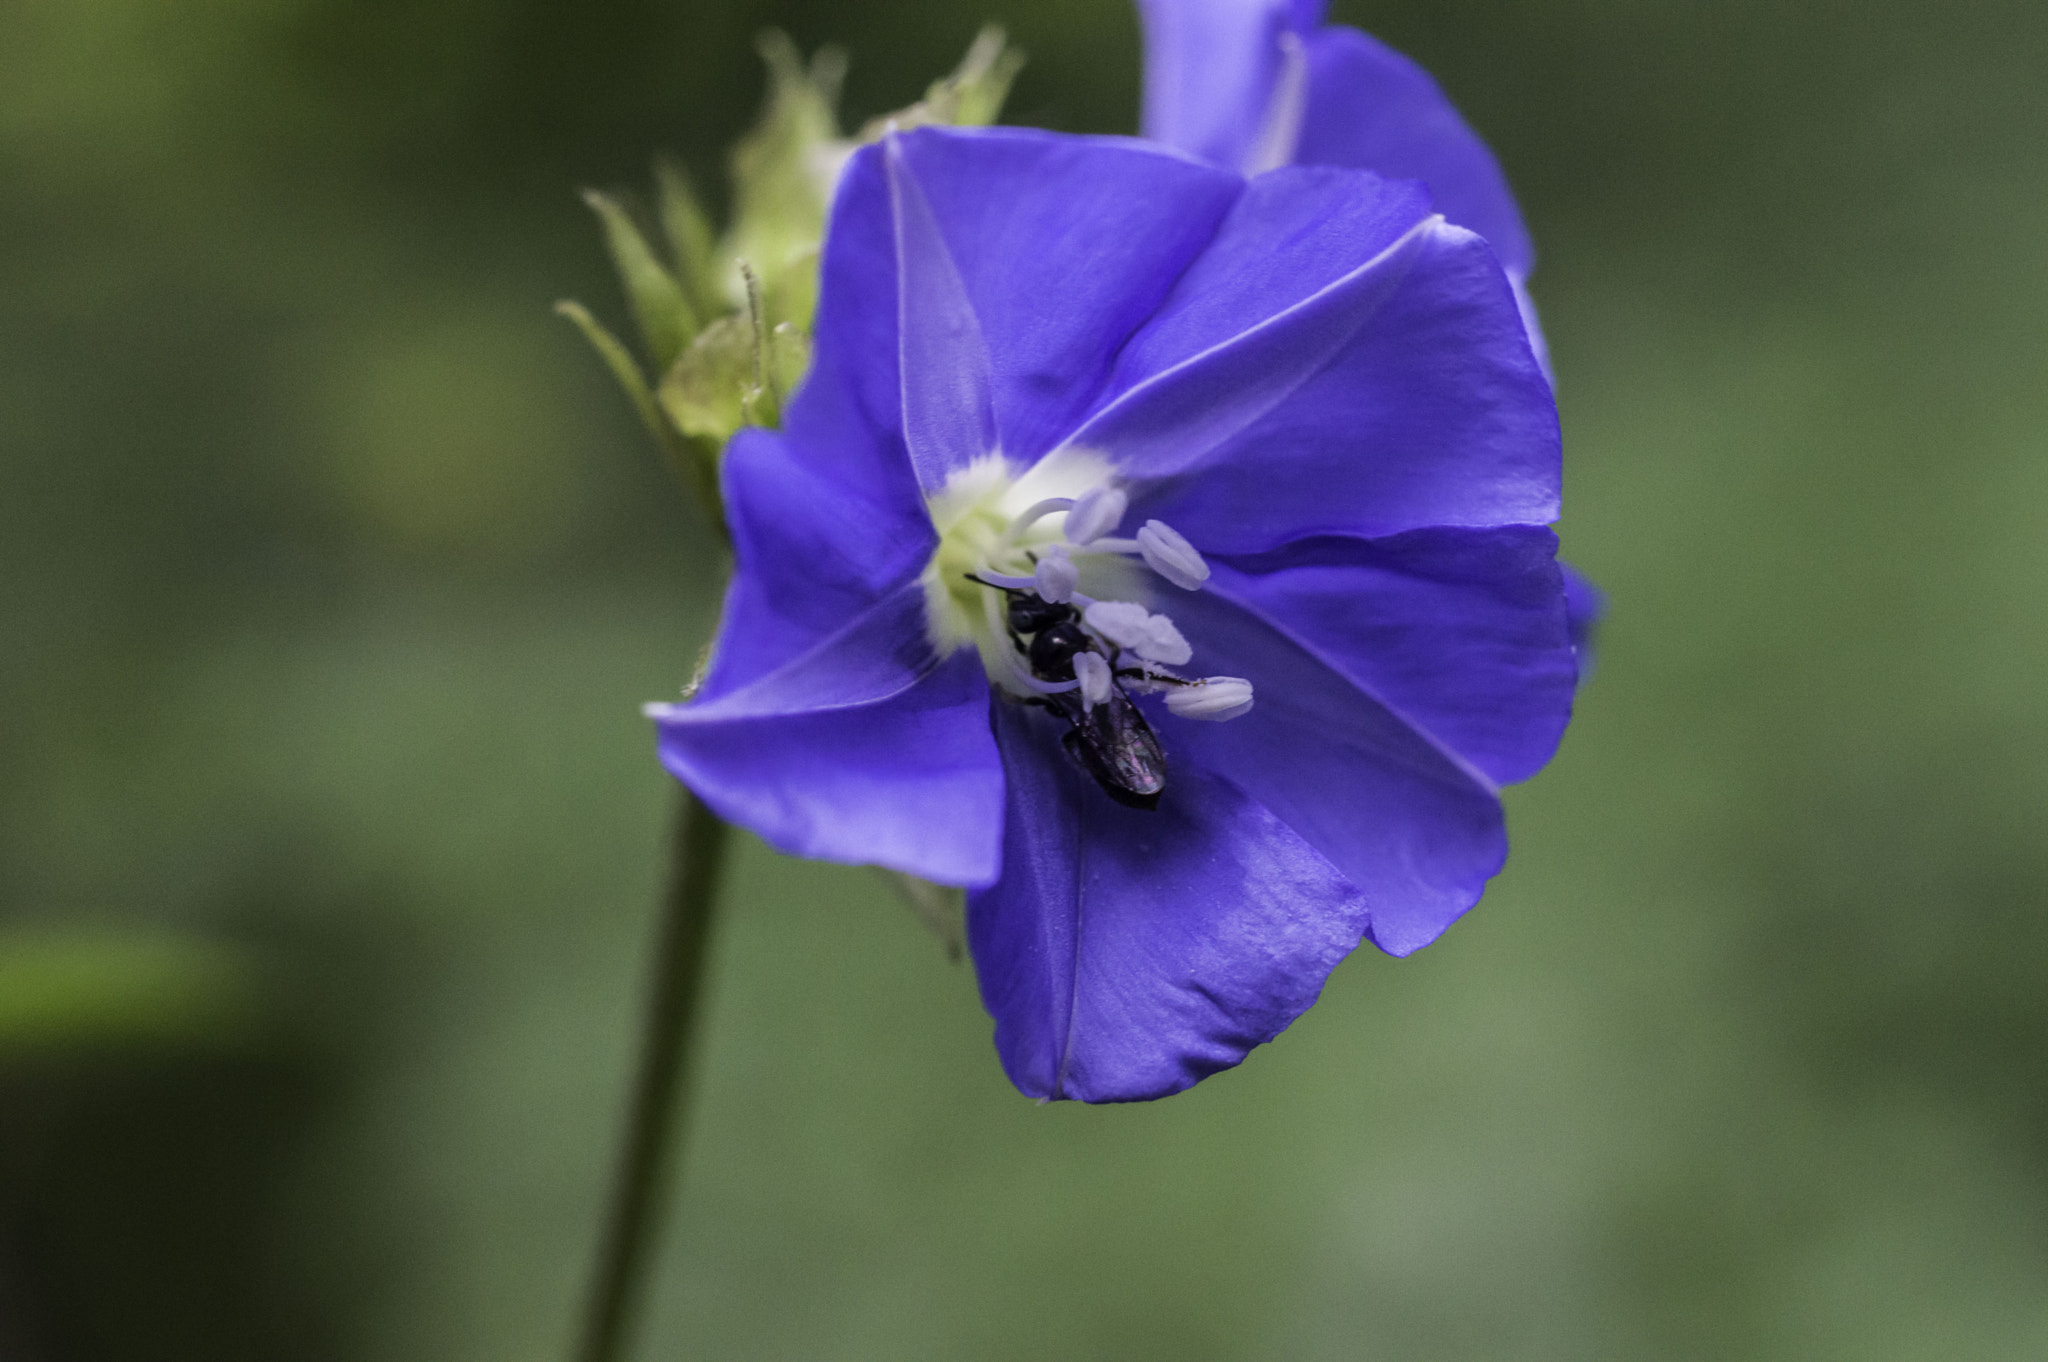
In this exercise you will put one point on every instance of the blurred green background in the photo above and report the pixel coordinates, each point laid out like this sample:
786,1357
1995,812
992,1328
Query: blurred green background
333,571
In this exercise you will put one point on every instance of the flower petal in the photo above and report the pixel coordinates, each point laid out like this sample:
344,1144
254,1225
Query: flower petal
1585,607
1416,829
847,416
867,749
1211,67
813,547
1126,954
1064,246
1292,235
948,421
1371,107
1401,396
1462,632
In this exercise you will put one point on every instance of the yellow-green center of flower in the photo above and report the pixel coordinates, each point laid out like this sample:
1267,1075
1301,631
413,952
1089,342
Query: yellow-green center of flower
995,524
973,515
1040,540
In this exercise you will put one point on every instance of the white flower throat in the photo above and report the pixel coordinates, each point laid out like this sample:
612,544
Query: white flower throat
1030,571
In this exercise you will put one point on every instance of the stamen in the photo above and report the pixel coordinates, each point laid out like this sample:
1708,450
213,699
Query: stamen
1213,697
1092,674
1056,576
1167,552
1030,682
989,561
1130,625
1095,513
989,577
1031,516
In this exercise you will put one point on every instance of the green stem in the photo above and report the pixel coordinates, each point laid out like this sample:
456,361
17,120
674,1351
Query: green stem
661,1089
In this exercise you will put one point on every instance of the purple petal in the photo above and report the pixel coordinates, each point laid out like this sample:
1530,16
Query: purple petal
1064,246
948,421
1585,607
1127,954
867,749
1416,829
1371,107
1461,632
847,417
1401,396
1538,344
813,547
1211,67
1292,234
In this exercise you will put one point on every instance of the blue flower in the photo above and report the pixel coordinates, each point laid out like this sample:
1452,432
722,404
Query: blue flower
1159,554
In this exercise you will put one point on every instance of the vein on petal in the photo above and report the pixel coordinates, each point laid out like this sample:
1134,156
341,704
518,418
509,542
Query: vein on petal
759,698
943,362
1213,433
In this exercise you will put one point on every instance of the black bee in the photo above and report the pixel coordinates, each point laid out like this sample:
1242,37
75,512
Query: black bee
1110,740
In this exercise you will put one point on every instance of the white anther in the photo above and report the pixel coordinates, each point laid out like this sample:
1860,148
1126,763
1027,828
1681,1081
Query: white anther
1130,625
1056,575
1091,669
1095,513
1214,697
1170,555
1124,623
1166,645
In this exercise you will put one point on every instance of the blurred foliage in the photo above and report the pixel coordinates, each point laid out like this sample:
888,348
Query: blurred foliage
61,993
332,573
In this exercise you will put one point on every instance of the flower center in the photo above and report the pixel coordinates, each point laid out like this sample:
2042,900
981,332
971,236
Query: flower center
1029,571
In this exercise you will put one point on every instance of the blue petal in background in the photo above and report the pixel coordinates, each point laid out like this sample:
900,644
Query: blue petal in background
1370,106
1212,68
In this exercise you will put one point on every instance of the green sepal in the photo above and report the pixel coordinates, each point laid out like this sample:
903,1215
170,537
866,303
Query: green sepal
706,391
782,173
727,320
666,317
692,458
620,361
789,297
979,87
737,372
789,355
971,97
692,243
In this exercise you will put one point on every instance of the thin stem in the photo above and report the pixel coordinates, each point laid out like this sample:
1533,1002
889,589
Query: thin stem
661,1089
